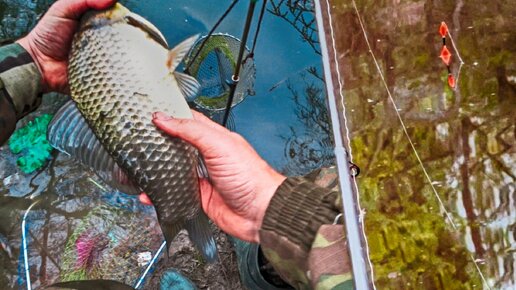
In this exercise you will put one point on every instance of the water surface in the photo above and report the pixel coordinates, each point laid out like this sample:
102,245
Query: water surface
464,137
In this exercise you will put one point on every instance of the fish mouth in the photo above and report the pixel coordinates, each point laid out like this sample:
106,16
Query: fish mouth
96,19
119,13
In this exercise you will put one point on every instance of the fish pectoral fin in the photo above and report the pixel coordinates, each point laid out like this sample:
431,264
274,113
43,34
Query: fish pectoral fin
69,133
188,85
176,54
201,236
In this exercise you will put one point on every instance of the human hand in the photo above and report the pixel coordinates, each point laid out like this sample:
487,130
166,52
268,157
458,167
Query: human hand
242,183
50,41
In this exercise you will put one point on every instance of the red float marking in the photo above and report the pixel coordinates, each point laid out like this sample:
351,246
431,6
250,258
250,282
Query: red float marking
451,81
443,29
445,55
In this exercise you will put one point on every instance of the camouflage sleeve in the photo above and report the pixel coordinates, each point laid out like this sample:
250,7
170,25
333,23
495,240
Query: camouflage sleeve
20,87
298,235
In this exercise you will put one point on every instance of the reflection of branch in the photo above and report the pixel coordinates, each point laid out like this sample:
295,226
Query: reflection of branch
313,71
43,253
300,15
43,249
315,112
494,157
501,141
502,166
380,140
467,199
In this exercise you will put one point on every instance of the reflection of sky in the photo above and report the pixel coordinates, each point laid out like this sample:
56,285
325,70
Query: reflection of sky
280,54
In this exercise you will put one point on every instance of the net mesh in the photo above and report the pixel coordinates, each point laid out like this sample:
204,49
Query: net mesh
104,246
214,67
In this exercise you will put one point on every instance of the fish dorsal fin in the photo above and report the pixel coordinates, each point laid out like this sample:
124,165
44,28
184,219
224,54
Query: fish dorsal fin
142,23
176,54
68,132
188,85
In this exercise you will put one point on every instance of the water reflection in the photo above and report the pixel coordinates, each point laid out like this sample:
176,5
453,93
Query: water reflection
464,137
18,16
300,15
310,148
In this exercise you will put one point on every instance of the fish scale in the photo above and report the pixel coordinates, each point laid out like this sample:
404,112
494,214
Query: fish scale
105,99
118,77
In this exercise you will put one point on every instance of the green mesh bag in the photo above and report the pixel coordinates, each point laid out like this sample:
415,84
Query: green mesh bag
31,142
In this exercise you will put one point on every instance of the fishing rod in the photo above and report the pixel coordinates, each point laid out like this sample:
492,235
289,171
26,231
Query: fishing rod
236,75
356,241
260,19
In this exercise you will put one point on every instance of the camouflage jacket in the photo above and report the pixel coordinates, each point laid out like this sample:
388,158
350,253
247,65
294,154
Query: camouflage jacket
20,87
299,237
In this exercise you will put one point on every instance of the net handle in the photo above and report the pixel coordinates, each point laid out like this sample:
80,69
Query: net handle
233,84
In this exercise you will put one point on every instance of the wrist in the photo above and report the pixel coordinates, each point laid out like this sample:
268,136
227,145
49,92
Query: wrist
270,183
297,210
21,78
26,43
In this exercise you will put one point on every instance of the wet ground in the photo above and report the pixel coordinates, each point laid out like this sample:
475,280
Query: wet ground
285,119
464,137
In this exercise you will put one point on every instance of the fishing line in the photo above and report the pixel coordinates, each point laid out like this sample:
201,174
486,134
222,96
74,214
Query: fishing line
259,25
349,150
391,99
455,48
25,245
210,33
149,266
458,55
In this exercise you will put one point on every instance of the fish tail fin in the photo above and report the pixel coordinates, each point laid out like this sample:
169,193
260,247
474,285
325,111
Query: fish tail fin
170,231
200,234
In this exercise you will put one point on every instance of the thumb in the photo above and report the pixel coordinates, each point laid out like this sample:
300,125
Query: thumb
198,133
73,9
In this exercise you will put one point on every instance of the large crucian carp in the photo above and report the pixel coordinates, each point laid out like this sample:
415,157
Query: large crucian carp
120,72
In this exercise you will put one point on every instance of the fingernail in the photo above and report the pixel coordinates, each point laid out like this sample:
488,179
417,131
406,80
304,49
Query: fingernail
161,116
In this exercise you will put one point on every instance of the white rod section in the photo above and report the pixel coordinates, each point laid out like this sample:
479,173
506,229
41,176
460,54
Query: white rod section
356,251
